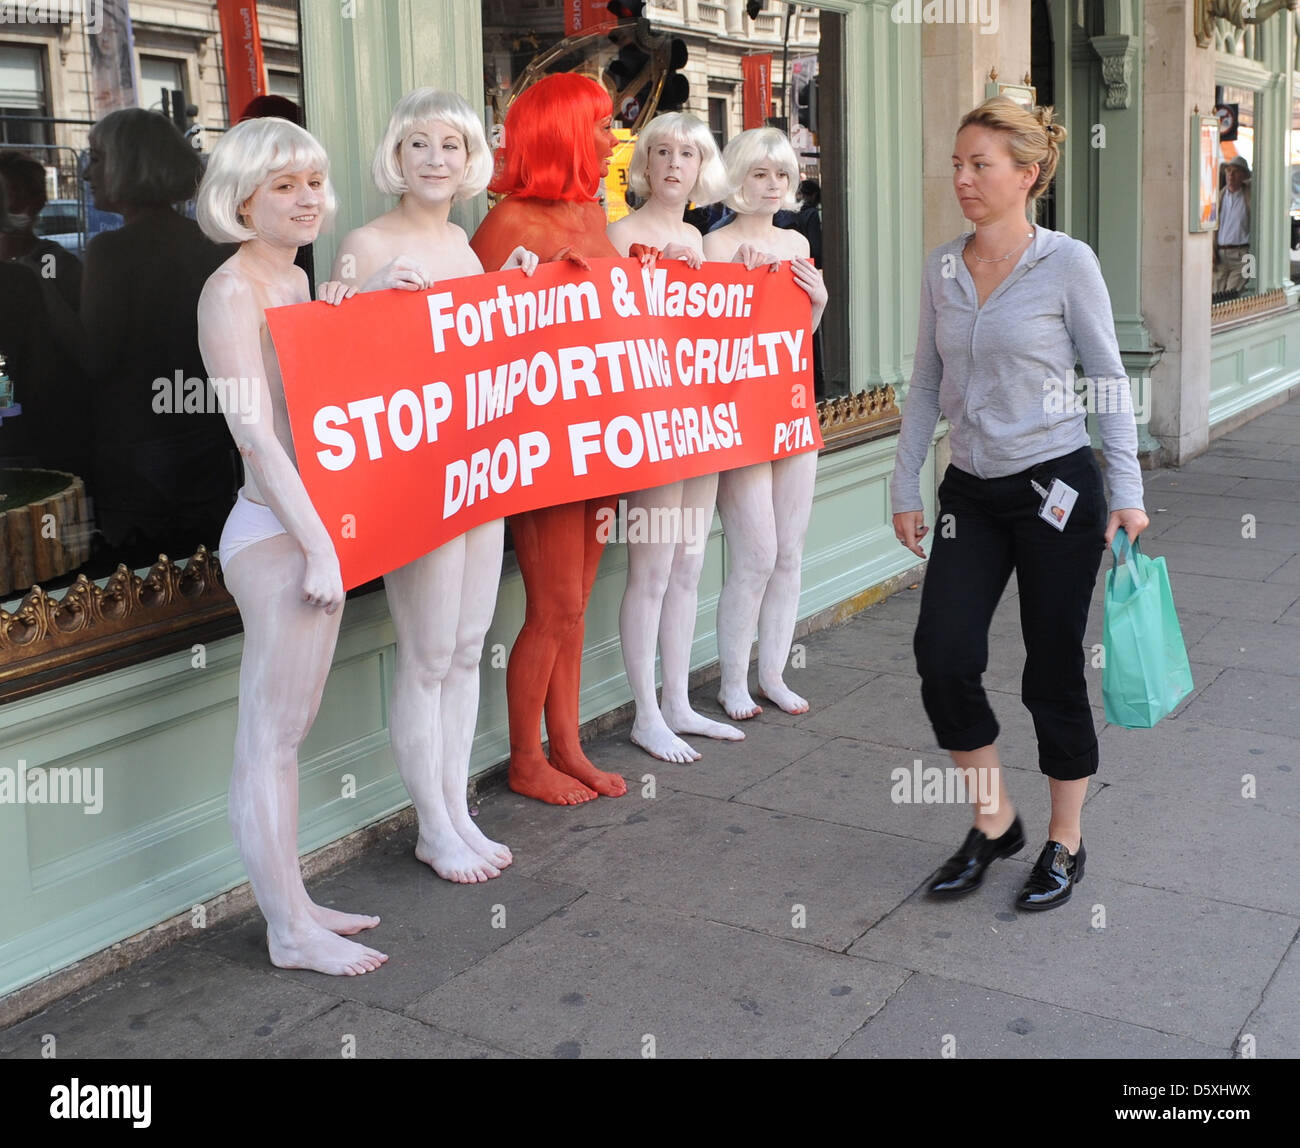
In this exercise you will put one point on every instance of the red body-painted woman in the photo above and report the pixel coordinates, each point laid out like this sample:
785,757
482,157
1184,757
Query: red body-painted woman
558,144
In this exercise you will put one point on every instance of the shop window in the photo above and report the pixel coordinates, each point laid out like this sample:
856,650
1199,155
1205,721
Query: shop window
522,41
113,450
1236,242
1293,190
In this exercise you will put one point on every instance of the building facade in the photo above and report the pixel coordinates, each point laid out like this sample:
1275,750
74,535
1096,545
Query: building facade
137,677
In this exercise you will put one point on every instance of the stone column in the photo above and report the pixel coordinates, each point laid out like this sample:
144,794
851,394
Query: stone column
1176,263
955,63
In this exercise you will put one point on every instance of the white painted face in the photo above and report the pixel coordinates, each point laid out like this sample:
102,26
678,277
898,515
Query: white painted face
672,169
288,209
765,188
433,158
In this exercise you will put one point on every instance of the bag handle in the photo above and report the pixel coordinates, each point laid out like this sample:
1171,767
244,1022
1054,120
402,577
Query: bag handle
1121,547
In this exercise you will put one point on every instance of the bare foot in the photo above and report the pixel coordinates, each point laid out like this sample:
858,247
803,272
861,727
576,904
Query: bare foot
687,720
738,704
659,741
576,765
781,694
322,951
534,776
344,924
448,856
491,851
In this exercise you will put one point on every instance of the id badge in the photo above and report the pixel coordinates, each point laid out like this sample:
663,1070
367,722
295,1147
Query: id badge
1058,501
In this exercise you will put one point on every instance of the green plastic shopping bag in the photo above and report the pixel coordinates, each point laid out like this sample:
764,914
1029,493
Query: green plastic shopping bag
1145,673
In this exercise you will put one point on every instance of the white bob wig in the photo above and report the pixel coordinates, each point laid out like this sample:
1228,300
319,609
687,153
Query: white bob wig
424,106
756,148
677,127
244,159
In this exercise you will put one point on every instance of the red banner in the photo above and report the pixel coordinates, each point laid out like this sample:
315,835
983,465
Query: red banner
241,43
582,16
417,416
757,71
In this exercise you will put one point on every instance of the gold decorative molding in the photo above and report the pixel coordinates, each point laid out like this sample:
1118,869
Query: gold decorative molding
52,638
857,417
1237,12
1244,307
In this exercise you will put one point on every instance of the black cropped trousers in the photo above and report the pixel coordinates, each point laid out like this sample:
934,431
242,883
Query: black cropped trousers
986,529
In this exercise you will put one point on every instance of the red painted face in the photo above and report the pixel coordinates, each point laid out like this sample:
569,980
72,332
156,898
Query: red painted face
605,140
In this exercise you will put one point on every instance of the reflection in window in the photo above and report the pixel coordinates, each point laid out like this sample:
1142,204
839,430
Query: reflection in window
1293,194
159,74
1235,271
702,74
106,414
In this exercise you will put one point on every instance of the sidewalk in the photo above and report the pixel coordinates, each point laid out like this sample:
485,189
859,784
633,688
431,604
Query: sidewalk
765,900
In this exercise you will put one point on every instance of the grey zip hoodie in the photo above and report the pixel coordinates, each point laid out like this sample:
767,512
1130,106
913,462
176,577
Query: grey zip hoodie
1001,374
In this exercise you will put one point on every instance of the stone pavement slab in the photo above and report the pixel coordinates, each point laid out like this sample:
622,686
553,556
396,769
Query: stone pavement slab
930,1014
753,868
1270,515
1211,761
1243,466
1229,848
1289,573
1226,598
1246,561
604,976
177,1004
1173,962
430,928
354,1030
850,782
1203,530
1248,645
1185,482
1276,1021
1249,700
727,767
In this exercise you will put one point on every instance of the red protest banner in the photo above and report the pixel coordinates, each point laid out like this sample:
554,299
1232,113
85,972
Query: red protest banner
757,94
417,416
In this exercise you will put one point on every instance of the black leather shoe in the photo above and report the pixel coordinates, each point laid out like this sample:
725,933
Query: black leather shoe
964,870
1053,878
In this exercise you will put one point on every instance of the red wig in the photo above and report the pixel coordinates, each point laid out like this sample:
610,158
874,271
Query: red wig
550,152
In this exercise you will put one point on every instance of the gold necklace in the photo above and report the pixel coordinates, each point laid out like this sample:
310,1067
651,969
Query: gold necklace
1002,259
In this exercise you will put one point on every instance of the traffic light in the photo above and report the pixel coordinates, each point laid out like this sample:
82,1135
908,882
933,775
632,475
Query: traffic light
646,73
677,88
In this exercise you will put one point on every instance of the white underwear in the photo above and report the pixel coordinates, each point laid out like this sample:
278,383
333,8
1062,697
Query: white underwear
249,522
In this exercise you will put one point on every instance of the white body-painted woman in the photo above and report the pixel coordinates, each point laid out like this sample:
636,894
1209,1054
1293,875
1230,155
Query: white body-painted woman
675,162
765,508
433,154
267,189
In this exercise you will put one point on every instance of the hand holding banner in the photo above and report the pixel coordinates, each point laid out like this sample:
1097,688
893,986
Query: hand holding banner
417,416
